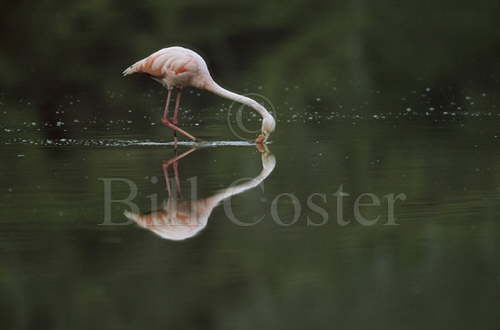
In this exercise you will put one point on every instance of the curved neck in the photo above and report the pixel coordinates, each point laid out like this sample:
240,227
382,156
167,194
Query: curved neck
238,189
213,87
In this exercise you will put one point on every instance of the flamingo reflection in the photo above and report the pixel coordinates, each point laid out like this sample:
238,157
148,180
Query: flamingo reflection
180,219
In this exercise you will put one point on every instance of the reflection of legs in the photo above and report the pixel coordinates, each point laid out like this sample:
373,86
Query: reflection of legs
167,181
173,125
176,170
176,176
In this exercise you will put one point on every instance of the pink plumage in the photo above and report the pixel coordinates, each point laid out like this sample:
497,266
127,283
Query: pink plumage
178,67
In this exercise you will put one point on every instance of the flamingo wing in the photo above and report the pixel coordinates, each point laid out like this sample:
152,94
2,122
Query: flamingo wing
168,61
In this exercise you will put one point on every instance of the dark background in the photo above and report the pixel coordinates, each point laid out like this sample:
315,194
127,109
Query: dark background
375,96
357,56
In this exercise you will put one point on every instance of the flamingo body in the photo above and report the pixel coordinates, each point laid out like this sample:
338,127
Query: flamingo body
179,67
174,67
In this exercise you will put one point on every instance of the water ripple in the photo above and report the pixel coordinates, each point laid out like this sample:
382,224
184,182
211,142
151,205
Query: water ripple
122,143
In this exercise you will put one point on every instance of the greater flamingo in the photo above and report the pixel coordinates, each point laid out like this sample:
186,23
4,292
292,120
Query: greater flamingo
178,67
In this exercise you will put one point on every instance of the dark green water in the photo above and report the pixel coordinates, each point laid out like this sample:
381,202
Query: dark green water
393,104
437,267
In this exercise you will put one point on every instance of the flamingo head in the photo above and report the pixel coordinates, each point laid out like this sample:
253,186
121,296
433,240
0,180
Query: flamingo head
268,126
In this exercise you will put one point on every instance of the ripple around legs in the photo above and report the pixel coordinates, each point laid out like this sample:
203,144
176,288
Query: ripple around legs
123,143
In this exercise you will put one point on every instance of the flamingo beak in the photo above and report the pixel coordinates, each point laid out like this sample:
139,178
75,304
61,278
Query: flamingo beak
261,139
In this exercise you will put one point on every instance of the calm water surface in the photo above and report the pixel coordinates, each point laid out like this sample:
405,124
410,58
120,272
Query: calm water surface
61,269
394,104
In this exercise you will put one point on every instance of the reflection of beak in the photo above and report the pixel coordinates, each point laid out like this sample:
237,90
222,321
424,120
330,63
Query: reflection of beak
261,147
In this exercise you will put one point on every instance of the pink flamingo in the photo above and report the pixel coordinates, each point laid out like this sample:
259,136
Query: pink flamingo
178,67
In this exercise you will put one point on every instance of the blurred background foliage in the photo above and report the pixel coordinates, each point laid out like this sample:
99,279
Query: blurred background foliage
347,53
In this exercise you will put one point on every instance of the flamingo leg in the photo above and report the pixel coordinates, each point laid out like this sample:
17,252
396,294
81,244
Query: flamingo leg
173,125
175,119
167,103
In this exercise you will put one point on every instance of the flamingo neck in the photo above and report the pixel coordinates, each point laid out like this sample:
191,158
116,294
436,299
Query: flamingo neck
267,118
